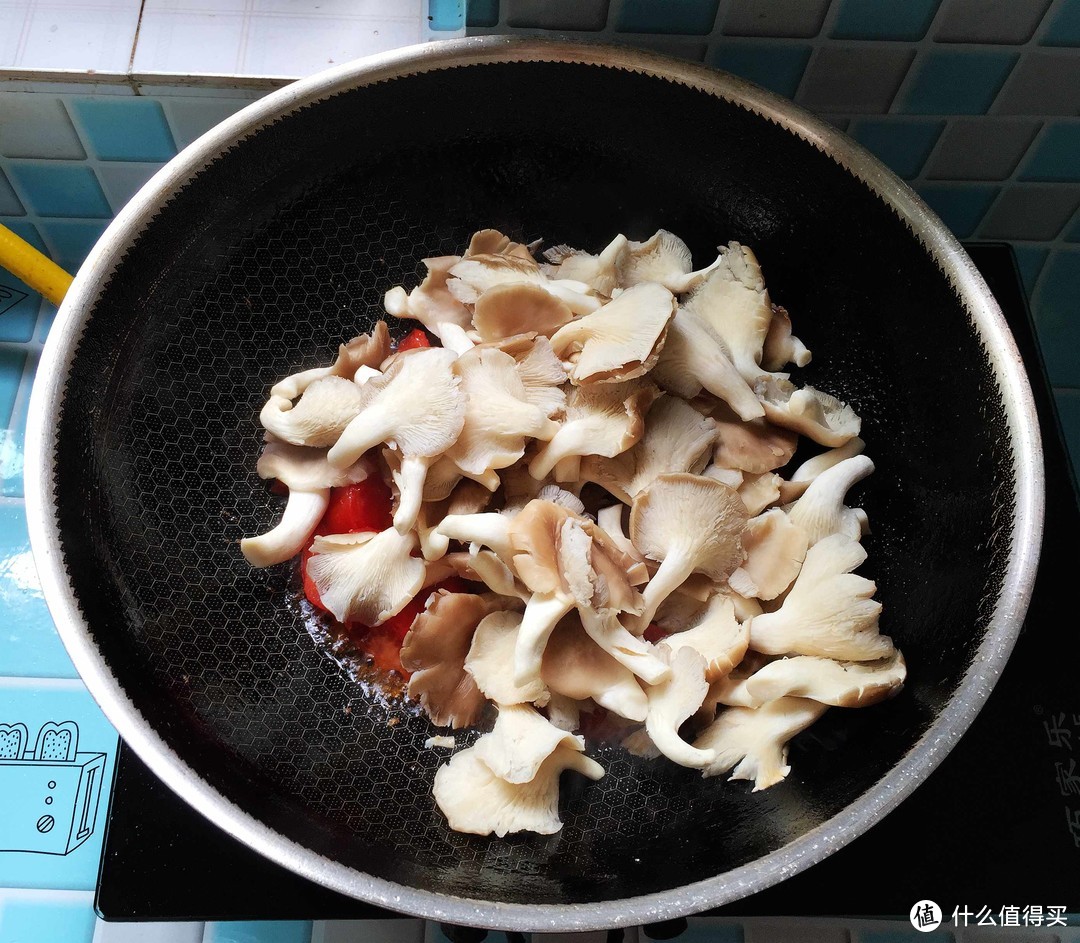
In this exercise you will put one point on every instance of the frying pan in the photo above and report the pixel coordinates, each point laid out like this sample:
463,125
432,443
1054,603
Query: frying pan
271,239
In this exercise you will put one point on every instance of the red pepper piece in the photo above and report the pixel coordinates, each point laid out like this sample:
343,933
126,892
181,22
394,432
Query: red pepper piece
413,340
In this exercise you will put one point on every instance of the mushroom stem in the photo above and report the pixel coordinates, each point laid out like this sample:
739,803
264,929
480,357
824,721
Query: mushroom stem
490,529
375,424
542,614
453,337
302,514
411,492
627,649
672,573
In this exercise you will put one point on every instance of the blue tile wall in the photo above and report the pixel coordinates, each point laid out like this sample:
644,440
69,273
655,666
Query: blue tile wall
124,129
1063,26
775,66
54,188
872,19
903,145
1055,155
951,82
49,917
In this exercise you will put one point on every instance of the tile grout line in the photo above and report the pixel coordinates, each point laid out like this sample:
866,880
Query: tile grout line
135,38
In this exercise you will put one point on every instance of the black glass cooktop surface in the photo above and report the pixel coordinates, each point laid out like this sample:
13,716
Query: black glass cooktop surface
997,824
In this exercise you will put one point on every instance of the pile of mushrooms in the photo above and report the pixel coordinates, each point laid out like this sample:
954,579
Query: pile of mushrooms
596,444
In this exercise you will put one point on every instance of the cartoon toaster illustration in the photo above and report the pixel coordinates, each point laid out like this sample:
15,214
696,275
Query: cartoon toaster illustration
50,791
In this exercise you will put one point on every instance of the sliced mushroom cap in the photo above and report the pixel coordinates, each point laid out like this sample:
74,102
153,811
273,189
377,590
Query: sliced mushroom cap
605,419
821,511
543,375
498,416
509,309
817,415
622,340
476,801
434,650
599,272
521,740
733,301
416,406
320,416
693,359
576,667
717,636
672,702
781,346
306,469
664,258
367,350
828,611
493,242
756,446
775,549
796,485
754,741
365,578
690,524
490,654
474,275
677,438
759,491
839,684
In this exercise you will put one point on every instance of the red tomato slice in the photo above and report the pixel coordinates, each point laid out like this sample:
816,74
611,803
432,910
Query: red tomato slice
654,633
413,340
353,509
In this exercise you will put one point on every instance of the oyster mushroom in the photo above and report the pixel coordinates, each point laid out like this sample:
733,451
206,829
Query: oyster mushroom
672,702
753,741
498,416
416,406
759,491
510,309
432,304
821,511
543,375
365,578
365,351
693,358
796,485
664,258
839,684
828,611
775,549
733,301
519,743
622,340
320,416
475,800
435,649
717,636
688,524
677,438
600,272
491,651
474,275
781,346
815,414
755,446
468,497
576,667
600,420
309,478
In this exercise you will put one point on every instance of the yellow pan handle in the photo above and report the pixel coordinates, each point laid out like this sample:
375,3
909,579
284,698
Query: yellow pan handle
38,271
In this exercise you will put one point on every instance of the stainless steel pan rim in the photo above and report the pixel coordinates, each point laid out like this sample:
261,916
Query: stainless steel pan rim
1003,628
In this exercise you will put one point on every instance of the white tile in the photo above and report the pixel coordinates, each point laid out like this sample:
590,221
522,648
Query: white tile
93,35
143,932
189,42
285,45
121,180
367,931
15,15
376,9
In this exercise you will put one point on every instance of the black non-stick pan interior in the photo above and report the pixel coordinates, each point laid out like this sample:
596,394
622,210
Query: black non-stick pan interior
284,246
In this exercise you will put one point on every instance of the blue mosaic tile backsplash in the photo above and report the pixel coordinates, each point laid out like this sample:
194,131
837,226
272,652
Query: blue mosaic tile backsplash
976,105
